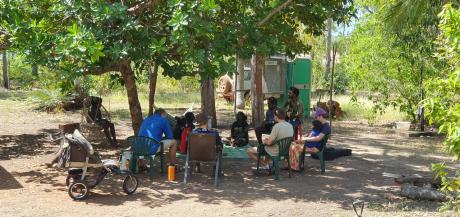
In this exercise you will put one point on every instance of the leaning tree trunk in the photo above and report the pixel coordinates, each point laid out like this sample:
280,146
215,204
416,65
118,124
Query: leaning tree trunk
239,84
133,99
153,75
208,100
6,80
256,90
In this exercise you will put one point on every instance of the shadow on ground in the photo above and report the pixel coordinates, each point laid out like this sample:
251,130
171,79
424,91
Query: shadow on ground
13,146
346,179
8,181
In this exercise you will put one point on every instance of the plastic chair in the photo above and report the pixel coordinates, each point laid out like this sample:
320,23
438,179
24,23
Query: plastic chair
140,146
201,147
320,154
283,145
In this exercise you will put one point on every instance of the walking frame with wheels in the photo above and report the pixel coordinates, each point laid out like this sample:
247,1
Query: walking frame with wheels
87,170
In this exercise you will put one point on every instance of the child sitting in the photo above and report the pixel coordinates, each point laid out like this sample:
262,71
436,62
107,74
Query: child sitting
239,132
296,148
183,127
313,147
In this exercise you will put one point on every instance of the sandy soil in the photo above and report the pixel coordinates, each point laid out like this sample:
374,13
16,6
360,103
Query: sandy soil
28,188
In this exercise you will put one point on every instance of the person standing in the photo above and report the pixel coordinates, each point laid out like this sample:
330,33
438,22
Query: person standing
294,111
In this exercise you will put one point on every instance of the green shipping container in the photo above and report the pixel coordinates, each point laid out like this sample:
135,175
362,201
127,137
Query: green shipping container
298,75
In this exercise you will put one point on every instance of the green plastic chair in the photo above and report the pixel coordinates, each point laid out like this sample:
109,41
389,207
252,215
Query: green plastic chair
140,146
283,145
320,154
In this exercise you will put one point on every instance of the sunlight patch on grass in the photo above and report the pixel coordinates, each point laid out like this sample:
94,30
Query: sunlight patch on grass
362,111
175,103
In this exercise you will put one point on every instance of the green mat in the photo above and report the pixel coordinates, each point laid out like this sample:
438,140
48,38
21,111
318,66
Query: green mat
231,152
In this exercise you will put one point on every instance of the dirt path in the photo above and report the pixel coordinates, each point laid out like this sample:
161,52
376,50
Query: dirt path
30,189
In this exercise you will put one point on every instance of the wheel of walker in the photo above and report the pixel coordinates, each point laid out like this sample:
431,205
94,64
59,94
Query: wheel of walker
78,190
130,184
71,179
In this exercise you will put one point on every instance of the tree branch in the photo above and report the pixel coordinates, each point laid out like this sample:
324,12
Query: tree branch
272,13
141,6
101,70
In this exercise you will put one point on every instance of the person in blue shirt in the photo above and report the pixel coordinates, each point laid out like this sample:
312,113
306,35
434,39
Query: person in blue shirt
269,122
316,130
321,128
155,127
319,115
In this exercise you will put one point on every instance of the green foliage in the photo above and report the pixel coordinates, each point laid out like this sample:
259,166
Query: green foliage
102,85
21,77
217,30
49,100
185,37
391,62
449,185
443,104
20,73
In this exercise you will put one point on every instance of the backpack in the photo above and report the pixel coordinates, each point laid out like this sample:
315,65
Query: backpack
333,153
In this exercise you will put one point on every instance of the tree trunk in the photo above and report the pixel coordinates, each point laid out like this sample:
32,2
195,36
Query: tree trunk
6,80
257,64
422,108
35,70
422,193
133,99
331,87
328,48
82,94
208,100
153,75
239,84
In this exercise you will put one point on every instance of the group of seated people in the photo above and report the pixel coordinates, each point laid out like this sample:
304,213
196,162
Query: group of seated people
279,123
283,129
157,125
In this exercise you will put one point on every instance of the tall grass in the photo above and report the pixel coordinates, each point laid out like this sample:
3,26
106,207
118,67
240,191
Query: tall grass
362,111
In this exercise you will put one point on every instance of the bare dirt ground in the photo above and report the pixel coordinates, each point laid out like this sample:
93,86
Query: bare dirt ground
28,188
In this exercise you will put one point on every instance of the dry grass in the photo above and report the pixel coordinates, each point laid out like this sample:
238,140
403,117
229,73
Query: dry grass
362,111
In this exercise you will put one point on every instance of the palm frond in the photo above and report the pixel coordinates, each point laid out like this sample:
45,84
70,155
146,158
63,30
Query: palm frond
410,12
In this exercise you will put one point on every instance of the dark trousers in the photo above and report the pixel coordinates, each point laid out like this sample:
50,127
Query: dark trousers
264,128
109,130
296,125
240,141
